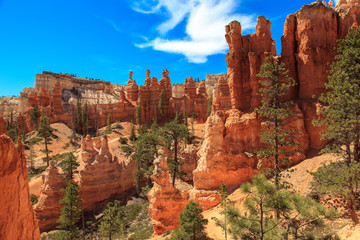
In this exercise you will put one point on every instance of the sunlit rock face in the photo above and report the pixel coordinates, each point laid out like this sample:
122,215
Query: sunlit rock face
17,219
232,132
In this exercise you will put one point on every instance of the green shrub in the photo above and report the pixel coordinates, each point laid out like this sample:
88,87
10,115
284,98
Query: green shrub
123,140
34,199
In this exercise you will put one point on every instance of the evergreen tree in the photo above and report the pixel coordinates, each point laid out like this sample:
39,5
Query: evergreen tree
108,124
192,223
82,120
85,119
35,115
161,103
70,214
224,203
31,158
138,111
209,105
144,149
69,166
186,117
112,220
174,134
72,136
298,215
132,136
275,84
45,132
342,121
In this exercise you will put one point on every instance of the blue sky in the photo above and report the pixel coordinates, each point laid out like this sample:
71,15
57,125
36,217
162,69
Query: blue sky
106,39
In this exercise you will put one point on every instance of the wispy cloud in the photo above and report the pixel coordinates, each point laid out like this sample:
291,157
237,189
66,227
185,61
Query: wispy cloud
205,24
109,21
113,24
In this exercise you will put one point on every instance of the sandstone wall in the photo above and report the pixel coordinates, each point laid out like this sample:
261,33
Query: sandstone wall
48,80
227,154
101,178
17,219
212,81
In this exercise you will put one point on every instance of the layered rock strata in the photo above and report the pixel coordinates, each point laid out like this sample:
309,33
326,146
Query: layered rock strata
48,207
17,219
227,154
2,125
101,178
101,175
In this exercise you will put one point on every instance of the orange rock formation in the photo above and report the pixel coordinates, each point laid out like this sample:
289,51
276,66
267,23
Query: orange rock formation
101,176
17,219
232,131
48,207
2,125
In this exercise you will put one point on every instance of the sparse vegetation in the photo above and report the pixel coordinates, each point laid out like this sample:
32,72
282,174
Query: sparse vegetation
298,217
126,222
34,199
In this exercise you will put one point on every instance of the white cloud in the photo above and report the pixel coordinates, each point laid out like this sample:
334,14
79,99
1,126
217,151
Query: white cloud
205,26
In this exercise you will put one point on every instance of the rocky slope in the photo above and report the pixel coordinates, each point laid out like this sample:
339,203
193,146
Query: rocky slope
17,219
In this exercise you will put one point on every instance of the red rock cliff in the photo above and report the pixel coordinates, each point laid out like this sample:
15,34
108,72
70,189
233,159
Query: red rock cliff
48,207
227,154
101,175
17,219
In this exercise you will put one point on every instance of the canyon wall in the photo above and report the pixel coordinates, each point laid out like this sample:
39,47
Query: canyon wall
58,94
227,154
17,219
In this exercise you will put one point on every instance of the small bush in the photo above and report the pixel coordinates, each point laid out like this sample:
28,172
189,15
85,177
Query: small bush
34,199
123,140
117,126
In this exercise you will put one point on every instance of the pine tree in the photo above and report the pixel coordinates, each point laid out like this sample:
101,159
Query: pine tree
224,203
69,166
138,111
342,121
45,132
161,103
85,119
70,214
35,115
108,124
275,84
31,158
192,223
298,215
144,149
132,136
174,134
112,220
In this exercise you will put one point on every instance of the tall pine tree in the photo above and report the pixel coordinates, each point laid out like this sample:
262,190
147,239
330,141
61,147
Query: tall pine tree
275,84
70,214
192,223
174,134
45,132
